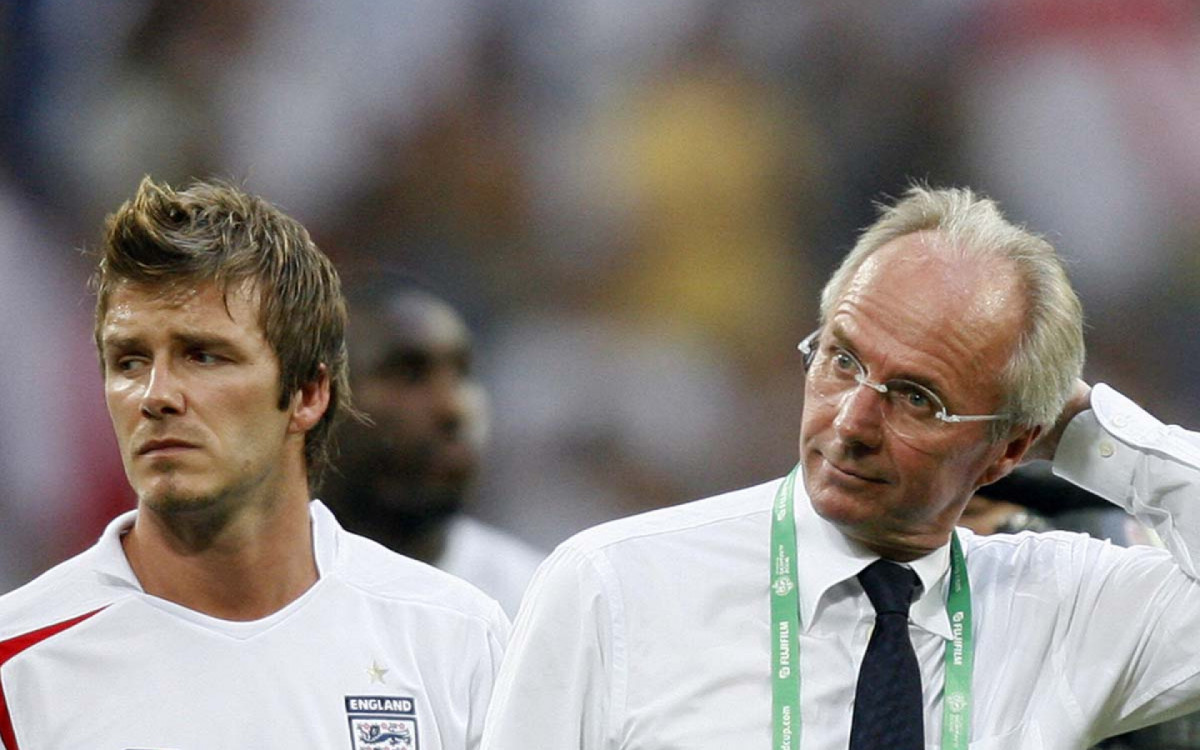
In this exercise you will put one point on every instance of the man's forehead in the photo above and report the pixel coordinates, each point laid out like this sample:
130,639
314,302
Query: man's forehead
918,252
923,293
200,304
945,273
405,325
182,292
416,321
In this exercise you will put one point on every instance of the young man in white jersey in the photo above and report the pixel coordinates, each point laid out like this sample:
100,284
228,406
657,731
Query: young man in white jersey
405,480
230,609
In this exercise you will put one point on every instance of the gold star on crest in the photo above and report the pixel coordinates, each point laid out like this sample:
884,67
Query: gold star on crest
377,672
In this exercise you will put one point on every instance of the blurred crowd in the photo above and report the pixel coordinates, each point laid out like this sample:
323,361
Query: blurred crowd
634,204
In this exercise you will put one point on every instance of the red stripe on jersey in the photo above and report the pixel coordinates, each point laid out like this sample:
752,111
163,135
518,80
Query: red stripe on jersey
14,646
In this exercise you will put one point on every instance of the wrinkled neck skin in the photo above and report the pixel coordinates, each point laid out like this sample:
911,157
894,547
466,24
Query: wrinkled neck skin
901,547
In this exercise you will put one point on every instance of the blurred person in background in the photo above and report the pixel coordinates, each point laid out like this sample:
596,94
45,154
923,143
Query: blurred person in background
832,608
1032,498
1021,501
229,609
404,479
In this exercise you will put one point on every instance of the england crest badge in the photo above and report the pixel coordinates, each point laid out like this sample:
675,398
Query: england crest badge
380,722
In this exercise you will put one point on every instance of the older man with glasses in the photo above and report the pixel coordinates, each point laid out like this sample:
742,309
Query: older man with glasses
841,606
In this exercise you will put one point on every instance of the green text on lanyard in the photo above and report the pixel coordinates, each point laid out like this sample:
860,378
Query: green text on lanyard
785,617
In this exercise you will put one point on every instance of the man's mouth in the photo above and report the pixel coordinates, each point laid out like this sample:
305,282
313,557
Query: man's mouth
164,446
854,473
453,459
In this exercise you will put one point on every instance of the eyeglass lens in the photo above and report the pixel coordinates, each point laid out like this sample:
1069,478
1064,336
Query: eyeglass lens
908,408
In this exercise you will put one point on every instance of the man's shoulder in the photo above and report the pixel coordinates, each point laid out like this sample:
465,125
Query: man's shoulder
1004,558
472,541
67,591
500,564
1011,546
728,514
697,557
378,572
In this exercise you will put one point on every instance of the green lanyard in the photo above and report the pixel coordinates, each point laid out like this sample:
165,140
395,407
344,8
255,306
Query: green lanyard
785,648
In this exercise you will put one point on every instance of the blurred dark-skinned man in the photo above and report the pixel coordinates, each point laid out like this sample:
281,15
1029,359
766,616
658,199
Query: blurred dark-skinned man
405,480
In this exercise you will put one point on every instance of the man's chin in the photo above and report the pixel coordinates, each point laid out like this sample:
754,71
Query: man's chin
381,500
176,497
842,507
178,504
430,503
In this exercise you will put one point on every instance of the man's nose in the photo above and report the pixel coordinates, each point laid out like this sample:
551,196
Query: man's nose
163,395
448,396
860,415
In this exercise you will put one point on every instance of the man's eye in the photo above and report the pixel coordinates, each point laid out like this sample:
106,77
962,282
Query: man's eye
912,396
199,356
414,373
408,367
128,364
463,366
843,362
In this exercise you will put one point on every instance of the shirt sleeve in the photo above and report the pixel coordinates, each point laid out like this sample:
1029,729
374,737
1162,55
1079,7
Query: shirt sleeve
1130,458
484,677
1132,638
555,688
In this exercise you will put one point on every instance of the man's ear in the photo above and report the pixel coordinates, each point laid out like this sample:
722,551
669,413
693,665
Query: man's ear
1014,452
309,402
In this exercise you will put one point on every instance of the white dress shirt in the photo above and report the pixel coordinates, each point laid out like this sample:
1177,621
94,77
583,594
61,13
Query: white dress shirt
652,632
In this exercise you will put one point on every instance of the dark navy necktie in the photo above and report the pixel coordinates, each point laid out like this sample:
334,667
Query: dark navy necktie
888,712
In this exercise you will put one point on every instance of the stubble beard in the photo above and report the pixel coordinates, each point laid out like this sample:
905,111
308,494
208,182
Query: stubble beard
195,515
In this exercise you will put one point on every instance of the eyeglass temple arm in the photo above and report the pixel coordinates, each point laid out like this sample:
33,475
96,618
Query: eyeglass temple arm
970,417
806,348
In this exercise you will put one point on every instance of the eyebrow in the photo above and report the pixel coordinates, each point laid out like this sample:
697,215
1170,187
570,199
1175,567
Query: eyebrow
404,354
118,342
186,340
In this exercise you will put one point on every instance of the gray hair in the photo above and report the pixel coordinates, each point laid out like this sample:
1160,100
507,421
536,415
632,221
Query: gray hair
1049,356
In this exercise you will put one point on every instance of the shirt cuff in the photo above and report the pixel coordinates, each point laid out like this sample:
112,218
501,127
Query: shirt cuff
1100,448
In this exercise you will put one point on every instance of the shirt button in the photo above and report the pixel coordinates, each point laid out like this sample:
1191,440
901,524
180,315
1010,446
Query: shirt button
1107,449
1120,420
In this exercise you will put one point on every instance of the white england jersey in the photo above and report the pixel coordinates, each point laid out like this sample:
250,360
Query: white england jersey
383,652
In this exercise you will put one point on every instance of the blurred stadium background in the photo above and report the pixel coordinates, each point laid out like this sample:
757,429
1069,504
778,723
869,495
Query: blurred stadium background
634,203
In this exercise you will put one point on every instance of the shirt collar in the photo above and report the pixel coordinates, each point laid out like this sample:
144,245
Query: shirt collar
826,557
112,563
325,531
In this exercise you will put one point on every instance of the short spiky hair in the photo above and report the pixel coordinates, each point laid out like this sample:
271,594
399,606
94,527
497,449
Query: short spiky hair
214,231
1049,355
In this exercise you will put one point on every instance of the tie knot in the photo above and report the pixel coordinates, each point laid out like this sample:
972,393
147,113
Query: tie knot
889,587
